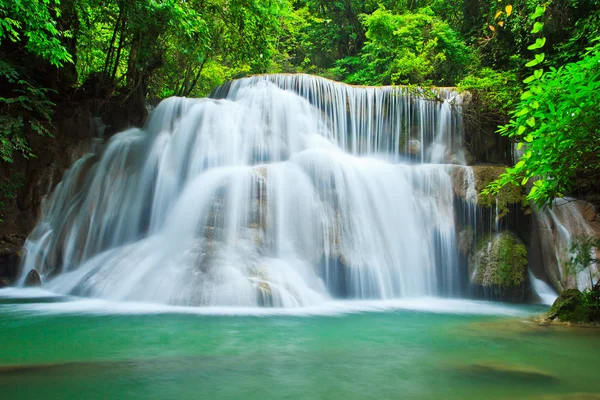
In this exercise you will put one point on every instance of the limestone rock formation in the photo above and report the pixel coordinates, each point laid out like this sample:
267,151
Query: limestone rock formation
555,230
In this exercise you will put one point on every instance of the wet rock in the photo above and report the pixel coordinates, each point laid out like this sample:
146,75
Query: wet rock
259,279
465,240
414,147
33,279
265,295
553,231
10,258
569,307
510,195
498,268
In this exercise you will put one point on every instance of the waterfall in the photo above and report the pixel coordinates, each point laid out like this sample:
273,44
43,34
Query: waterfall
280,190
545,292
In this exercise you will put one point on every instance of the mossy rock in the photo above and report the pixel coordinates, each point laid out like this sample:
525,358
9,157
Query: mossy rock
509,195
498,266
569,307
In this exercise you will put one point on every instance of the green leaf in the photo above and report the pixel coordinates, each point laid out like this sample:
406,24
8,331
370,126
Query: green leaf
539,11
532,63
531,122
520,164
538,73
540,57
526,95
537,27
529,79
534,189
539,43
529,138
521,129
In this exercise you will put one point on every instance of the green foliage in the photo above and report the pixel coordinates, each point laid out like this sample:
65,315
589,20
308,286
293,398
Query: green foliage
24,105
409,48
35,23
583,25
557,123
493,93
27,110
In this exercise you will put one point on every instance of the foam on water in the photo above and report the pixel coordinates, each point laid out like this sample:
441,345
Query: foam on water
86,306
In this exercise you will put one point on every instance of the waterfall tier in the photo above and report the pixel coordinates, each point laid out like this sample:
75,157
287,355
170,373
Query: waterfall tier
287,191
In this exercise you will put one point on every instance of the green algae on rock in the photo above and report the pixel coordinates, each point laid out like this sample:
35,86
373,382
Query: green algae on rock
498,266
571,307
510,195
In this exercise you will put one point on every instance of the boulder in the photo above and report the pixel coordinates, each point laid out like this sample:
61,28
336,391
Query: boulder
33,279
569,307
498,268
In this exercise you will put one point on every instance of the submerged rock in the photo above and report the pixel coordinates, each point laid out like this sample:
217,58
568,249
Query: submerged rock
501,371
498,267
33,279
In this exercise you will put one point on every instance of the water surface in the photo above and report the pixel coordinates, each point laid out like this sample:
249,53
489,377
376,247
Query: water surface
65,348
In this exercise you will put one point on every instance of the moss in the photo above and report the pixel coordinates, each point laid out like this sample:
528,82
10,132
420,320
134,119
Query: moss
508,195
499,261
569,307
575,307
484,174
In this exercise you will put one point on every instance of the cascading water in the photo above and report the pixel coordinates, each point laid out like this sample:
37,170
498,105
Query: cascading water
288,191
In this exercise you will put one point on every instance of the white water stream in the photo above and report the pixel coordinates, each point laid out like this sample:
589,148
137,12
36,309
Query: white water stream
291,190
